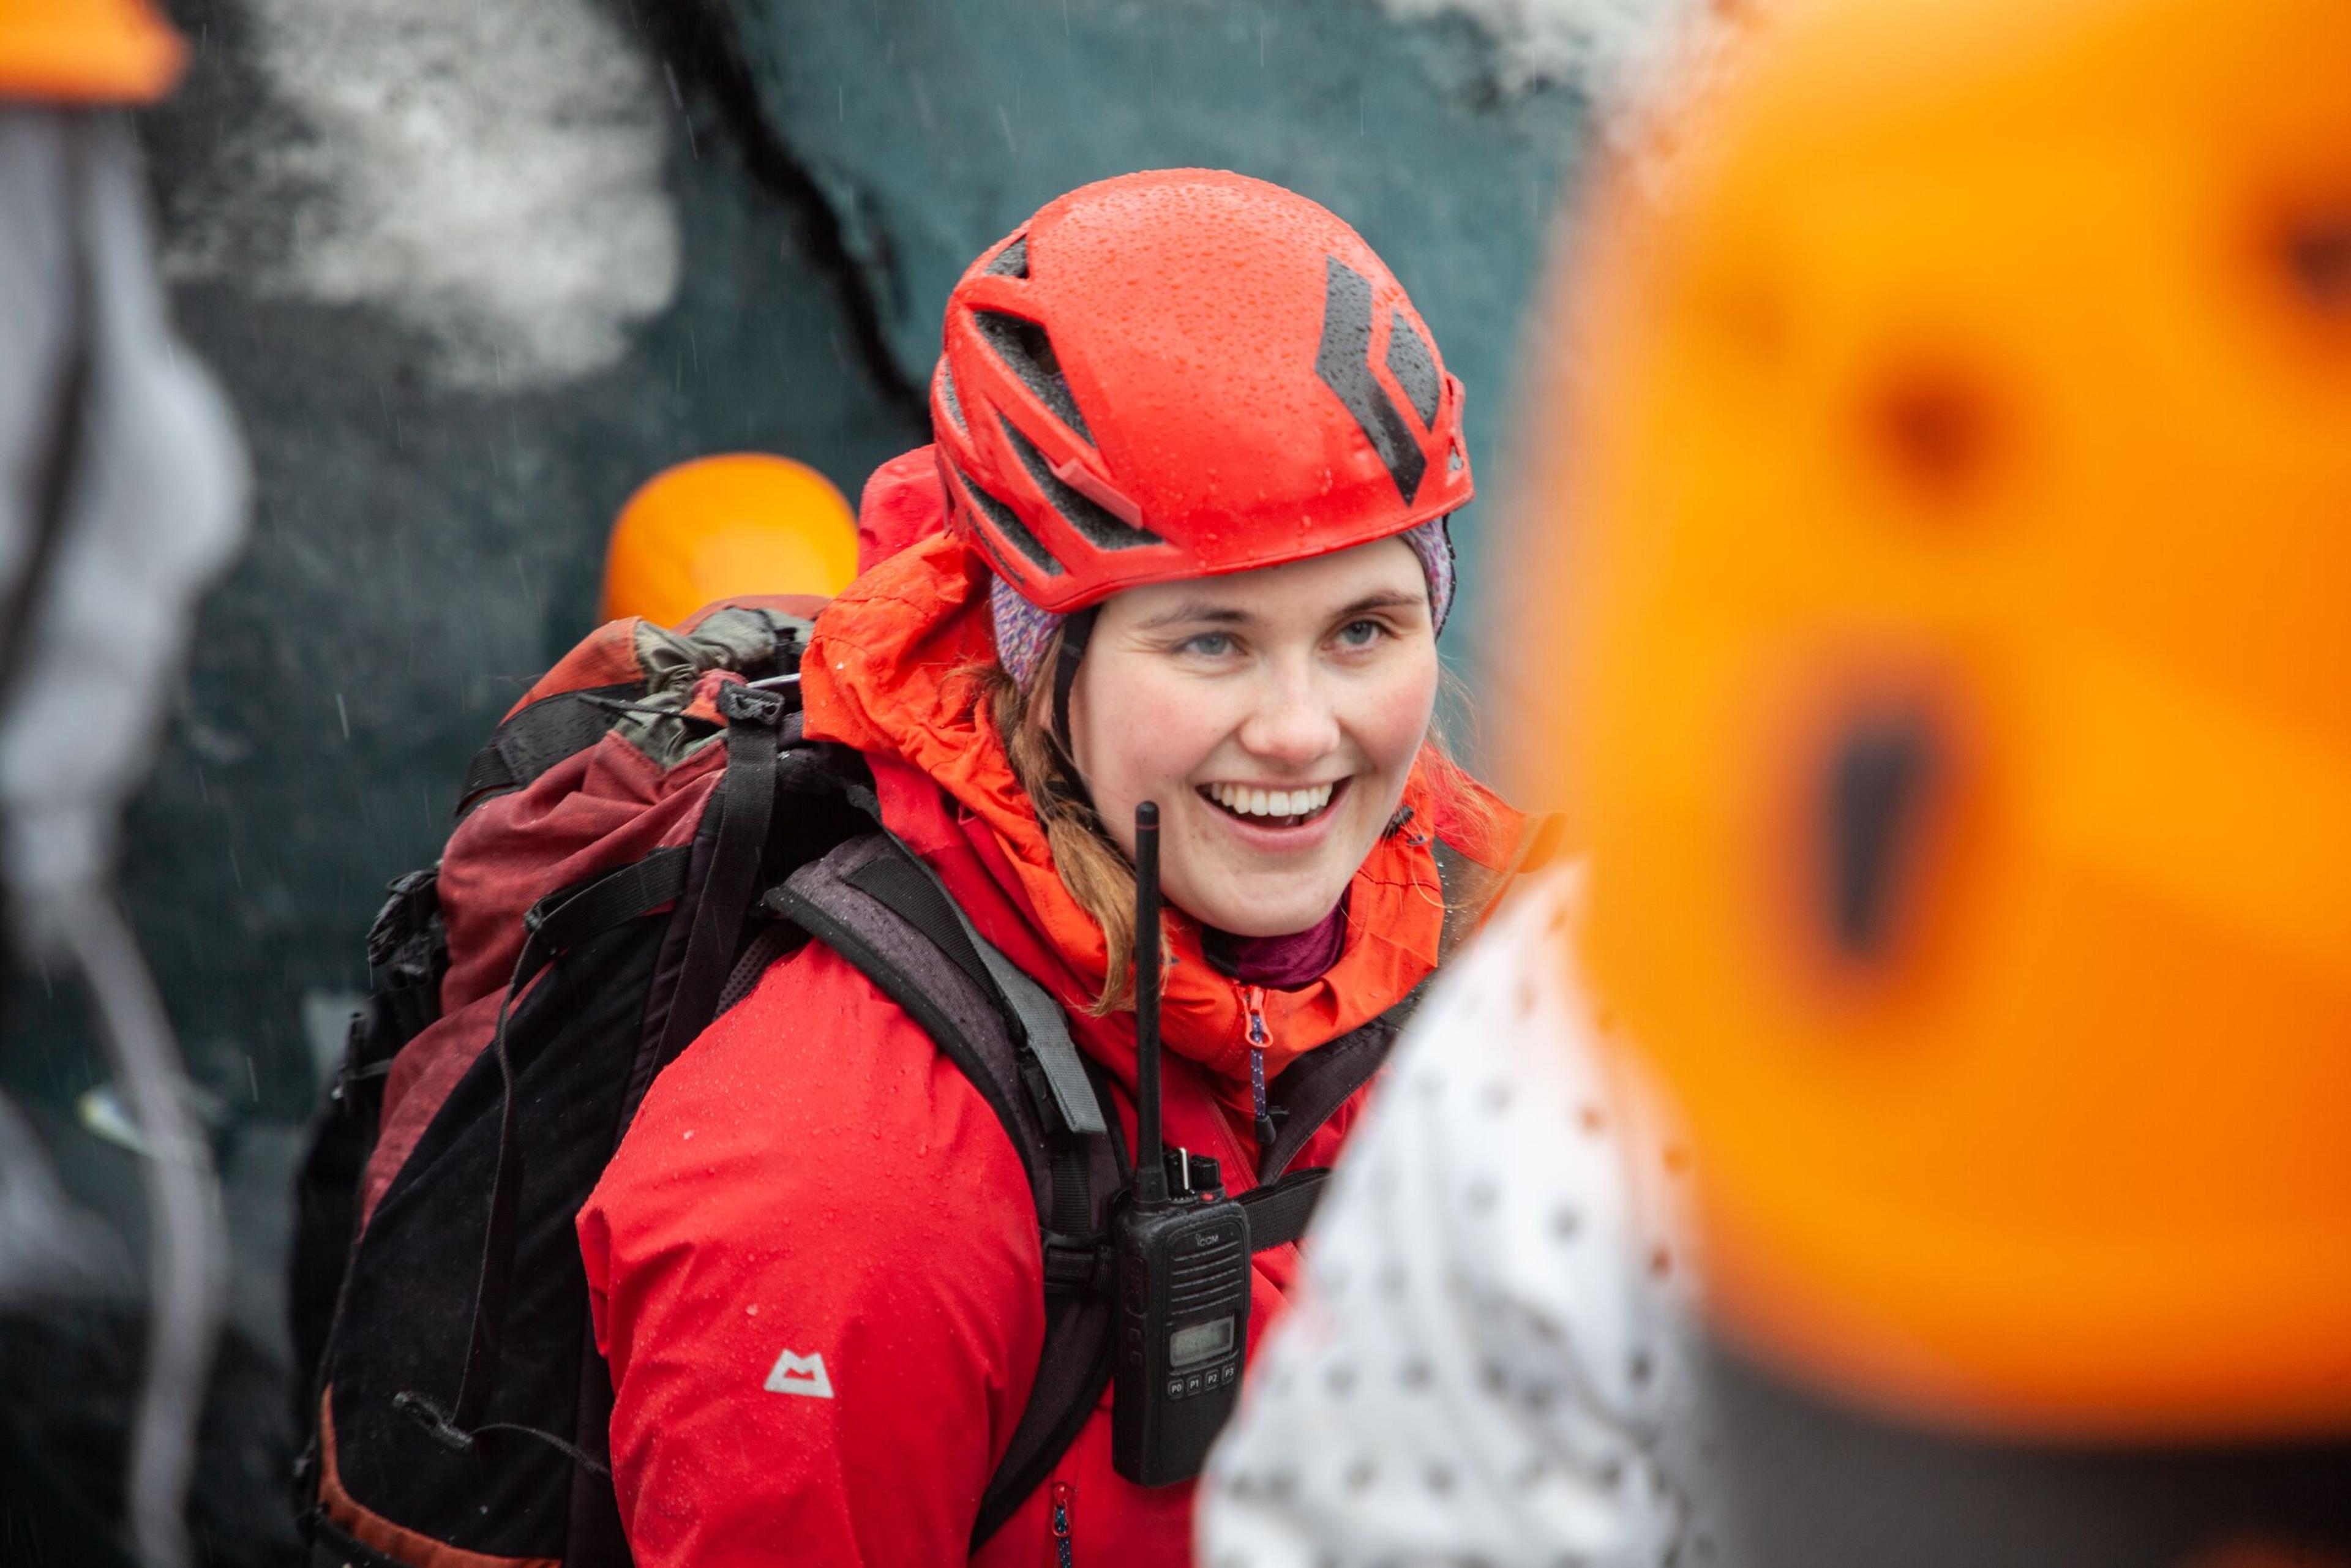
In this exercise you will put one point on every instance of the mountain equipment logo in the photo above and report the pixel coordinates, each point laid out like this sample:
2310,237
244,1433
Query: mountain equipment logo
799,1375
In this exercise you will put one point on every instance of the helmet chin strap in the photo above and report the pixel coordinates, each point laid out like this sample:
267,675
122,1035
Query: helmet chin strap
1076,631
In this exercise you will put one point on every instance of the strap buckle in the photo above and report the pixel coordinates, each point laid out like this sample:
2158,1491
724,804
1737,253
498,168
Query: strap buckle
739,703
1078,1265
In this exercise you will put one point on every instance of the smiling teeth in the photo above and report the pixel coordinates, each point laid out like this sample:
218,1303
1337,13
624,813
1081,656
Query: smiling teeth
1250,803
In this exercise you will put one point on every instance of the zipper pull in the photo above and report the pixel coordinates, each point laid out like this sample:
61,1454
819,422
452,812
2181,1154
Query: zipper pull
1063,1494
1268,1123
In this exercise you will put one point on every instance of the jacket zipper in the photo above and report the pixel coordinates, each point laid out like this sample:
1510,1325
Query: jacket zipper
1063,1493
1253,1006
1270,1118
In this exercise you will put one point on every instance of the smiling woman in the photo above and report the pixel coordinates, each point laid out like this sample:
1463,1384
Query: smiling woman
1275,714
1181,541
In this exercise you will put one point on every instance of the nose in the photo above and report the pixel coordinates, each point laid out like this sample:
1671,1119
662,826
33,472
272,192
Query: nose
1293,724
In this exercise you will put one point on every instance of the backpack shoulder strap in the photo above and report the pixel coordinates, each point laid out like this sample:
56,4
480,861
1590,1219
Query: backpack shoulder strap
1470,889
1313,1088
909,889
878,906
842,900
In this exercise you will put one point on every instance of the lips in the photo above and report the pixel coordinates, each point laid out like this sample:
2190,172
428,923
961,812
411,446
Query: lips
1292,808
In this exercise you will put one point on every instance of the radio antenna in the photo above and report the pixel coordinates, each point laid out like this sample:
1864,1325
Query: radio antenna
1150,1163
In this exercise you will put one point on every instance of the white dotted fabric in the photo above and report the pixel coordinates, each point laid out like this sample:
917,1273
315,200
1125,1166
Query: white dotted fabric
1486,1363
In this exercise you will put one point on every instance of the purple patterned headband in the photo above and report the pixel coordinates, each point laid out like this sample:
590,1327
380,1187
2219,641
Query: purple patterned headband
1022,630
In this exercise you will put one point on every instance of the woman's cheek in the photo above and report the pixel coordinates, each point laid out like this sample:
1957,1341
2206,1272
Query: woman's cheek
1395,717
1165,731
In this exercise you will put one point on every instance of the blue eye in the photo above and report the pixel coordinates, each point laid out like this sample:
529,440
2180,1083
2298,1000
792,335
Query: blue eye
1361,634
1208,645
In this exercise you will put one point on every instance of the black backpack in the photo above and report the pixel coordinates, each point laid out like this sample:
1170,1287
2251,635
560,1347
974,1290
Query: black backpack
448,1375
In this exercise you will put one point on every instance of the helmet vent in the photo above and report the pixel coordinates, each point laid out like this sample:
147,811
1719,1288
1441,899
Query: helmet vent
1344,360
1939,430
1024,346
2318,254
1012,261
1877,784
948,396
1082,513
1413,367
1007,523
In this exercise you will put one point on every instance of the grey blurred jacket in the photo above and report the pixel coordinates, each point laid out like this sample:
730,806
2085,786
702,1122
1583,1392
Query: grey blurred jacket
107,422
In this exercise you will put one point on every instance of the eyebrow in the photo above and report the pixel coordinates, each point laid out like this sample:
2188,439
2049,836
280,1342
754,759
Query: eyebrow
1198,612
1389,600
1203,613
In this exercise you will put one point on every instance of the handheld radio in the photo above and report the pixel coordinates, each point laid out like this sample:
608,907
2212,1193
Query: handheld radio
1182,1255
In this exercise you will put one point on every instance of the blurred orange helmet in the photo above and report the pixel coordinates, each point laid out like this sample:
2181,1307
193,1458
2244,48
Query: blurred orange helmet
86,51
1962,701
741,523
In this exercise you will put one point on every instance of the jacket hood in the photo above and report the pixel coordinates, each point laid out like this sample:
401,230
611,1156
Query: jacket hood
893,670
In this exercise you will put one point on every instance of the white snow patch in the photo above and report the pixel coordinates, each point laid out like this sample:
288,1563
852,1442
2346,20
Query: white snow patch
1639,61
1585,43
488,169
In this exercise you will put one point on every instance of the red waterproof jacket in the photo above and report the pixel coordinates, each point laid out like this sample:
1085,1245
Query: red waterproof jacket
813,1264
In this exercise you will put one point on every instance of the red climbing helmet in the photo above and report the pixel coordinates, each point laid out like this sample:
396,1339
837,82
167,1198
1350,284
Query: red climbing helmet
1181,373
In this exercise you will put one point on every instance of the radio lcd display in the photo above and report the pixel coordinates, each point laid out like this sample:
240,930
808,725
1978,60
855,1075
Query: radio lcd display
1201,1342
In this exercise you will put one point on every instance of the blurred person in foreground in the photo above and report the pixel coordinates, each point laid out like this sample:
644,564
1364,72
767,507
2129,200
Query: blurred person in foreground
121,491
1955,712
